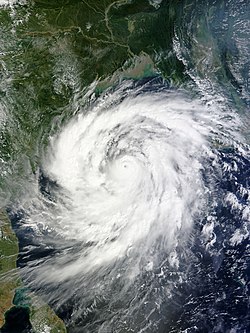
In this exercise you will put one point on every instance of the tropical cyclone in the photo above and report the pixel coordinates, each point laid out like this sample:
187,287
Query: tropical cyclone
124,184
126,173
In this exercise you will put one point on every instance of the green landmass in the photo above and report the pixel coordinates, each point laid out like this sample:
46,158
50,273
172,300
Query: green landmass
42,317
51,51
9,279
13,294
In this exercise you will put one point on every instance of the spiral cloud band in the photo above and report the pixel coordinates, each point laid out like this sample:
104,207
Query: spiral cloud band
128,179
132,173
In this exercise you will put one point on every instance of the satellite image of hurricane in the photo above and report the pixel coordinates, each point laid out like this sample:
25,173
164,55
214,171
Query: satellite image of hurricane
124,166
